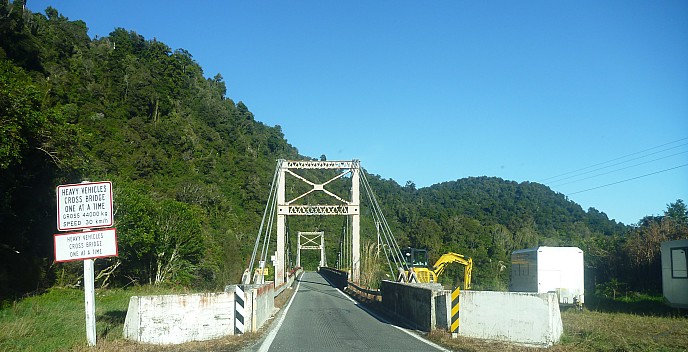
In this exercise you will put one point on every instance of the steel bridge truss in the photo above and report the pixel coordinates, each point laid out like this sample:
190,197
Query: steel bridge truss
310,241
346,207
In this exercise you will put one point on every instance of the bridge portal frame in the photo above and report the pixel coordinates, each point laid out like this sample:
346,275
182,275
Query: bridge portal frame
310,239
345,207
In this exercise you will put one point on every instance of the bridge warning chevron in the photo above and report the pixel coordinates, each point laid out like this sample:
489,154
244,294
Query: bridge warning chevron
455,311
239,310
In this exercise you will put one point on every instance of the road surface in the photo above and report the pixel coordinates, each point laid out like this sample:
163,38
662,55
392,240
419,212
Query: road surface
322,318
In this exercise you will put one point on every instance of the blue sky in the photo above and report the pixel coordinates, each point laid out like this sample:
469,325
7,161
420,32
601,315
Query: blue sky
436,91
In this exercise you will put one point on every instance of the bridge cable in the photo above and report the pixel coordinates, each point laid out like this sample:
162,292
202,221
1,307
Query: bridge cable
268,233
271,199
394,253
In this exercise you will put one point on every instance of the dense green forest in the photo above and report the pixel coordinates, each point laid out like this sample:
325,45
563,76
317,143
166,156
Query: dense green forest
191,172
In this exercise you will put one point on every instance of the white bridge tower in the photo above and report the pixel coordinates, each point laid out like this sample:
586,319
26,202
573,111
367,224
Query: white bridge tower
347,207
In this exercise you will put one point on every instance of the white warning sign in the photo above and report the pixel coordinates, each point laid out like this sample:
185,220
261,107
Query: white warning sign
84,205
85,245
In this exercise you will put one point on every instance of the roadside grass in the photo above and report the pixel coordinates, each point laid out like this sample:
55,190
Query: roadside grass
55,321
605,331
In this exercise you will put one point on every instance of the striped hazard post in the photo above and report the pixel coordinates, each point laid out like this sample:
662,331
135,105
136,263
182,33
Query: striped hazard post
455,312
239,310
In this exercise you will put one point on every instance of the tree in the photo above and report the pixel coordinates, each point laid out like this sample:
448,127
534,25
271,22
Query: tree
160,241
677,212
21,118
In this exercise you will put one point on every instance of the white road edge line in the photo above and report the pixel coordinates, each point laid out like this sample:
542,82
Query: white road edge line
265,346
385,320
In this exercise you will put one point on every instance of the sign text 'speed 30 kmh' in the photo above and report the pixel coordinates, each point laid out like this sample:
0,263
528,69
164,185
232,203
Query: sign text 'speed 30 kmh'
84,205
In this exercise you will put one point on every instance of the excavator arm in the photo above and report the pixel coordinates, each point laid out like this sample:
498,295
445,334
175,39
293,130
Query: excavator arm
449,258
418,271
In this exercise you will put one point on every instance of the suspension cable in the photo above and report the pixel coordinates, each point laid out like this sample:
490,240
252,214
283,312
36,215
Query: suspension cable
271,199
388,236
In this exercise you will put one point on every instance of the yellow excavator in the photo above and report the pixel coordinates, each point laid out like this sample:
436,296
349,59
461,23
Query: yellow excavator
417,262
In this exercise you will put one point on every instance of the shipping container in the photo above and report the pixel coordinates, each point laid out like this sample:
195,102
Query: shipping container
549,269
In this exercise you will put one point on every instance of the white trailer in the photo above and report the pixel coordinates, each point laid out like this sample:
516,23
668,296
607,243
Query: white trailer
675,272
549,269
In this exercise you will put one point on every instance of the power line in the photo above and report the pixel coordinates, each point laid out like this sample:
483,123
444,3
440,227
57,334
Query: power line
630,179
615,159
612,171
623,162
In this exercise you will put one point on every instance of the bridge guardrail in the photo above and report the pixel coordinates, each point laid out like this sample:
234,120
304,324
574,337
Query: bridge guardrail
290,280
338,278
371,295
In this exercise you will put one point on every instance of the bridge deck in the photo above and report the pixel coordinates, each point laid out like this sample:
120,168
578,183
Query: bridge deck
320,318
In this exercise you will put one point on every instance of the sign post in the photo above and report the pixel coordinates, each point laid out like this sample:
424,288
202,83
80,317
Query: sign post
85,206
90,302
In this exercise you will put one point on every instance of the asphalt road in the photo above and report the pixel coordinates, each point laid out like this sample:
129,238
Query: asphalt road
321,318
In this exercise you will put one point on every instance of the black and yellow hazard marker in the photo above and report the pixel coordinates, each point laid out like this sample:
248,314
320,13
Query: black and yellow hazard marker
455,311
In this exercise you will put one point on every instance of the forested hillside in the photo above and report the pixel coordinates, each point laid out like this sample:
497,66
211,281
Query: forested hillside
191,172
190,167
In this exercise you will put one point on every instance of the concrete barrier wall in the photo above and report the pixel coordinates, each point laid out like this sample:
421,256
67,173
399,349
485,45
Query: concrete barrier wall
531,319
173,319
259,304
422,305
338,278
290,281
263,302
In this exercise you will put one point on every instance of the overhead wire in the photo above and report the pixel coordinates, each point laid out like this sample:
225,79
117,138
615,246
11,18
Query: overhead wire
577,172
615,170
630,179
579,175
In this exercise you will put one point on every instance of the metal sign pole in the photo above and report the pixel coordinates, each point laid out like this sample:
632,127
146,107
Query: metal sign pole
90,302
90,297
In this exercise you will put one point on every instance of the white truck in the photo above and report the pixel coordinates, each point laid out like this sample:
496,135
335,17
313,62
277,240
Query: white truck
549,269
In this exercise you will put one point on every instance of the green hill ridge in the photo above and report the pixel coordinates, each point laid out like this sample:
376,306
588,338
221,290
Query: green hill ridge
191,170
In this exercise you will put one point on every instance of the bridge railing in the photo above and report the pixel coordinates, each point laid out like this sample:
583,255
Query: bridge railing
338,278
365,293
290,280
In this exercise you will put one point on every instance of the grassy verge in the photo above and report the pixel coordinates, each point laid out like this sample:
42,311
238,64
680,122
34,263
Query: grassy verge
55,321
607,331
